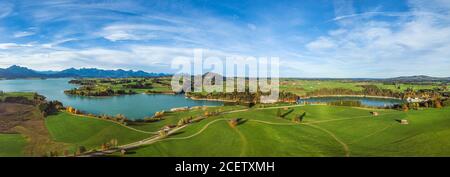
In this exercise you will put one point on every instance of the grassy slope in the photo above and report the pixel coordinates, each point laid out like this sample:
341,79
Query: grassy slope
88,132
28,95
12,145
362,134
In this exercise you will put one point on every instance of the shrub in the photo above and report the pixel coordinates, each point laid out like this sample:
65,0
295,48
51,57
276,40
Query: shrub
405,107
446,103
233,122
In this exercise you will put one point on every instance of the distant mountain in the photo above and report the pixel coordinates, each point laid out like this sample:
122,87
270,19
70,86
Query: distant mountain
98,73
419,78
19,72
15,72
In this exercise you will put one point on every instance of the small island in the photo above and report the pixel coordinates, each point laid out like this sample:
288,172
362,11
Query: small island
120,86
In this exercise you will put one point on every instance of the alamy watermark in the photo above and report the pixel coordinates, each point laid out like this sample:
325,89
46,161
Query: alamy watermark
228,74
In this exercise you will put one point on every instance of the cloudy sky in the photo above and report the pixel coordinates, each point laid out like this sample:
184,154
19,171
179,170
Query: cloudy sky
312,38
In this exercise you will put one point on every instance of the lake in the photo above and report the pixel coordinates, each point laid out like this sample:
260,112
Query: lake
367,101
132,106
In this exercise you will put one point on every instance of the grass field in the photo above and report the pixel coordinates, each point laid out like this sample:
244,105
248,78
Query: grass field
89,132
302,87
12,145
28,95
325,131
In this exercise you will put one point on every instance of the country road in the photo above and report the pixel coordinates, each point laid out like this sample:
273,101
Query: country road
157,138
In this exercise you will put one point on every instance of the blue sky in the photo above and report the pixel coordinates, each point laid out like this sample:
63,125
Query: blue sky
312,38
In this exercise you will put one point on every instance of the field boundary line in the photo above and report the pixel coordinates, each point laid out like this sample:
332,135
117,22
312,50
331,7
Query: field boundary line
356,117
344,146
107,120
374,133
273,123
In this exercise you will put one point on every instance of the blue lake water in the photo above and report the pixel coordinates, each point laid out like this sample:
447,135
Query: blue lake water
132,106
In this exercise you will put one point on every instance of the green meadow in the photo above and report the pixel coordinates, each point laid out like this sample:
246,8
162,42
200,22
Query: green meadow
325,131
89,132
27,95
12,145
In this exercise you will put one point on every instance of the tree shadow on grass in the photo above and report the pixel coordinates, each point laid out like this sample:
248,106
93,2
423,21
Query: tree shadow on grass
241,121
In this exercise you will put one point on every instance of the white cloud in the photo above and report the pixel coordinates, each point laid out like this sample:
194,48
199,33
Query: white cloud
321,44
6,46
23,34
148,58
119,32
386,52
371,48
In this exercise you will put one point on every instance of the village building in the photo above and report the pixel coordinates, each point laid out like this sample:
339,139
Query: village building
166,128
404,122
414,100
179,109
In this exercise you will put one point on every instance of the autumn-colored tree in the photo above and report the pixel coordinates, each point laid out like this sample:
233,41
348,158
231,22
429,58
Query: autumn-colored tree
162,133
70,109
184,121
405,107
159,114
113,143
233,122
66,153
105,146
437,103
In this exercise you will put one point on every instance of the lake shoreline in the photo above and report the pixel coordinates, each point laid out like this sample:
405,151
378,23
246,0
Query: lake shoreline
209,99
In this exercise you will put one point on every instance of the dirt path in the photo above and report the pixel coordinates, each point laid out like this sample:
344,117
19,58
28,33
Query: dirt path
147,141
195,134
244,142
344,146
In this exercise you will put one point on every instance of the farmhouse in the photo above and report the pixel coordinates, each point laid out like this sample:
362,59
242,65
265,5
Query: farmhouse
179,109
414,100
165,128
123,151
374,113
404,122
446,94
